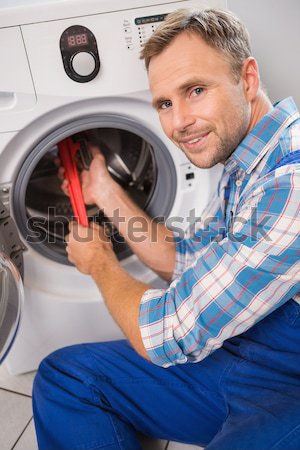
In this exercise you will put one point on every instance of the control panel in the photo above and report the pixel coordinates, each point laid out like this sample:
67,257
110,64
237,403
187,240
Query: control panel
79,53
144,26
65,55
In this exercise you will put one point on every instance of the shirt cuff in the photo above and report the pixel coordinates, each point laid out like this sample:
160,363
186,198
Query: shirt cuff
157,337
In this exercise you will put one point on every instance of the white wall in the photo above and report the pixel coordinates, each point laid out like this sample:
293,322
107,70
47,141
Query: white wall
274,27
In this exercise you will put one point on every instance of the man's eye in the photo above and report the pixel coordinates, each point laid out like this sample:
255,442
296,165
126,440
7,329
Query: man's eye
165,105
197,91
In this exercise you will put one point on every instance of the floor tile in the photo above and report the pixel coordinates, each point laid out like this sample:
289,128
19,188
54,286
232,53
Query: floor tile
15,414
17,383
178,446
151,444
27,440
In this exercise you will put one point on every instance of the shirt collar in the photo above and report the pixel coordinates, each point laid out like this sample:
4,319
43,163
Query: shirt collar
262,137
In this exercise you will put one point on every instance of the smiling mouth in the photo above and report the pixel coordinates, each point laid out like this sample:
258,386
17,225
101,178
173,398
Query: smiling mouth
195,143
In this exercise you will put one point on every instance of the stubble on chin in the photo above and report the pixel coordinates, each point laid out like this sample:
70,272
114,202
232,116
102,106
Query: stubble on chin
209,157
220,150
226,145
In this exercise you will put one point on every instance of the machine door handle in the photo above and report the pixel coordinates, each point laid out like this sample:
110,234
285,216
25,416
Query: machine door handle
7,99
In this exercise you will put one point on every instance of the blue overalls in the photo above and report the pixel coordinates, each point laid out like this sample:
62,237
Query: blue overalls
244,396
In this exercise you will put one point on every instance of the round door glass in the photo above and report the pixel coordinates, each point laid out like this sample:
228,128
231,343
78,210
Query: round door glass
11,302
137,161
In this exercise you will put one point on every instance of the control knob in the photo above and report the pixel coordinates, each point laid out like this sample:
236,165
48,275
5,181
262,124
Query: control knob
83,63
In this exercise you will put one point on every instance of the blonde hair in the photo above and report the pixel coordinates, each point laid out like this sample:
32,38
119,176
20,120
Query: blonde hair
218,28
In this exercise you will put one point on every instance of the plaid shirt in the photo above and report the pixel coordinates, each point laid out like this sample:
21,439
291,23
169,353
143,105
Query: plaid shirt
241,260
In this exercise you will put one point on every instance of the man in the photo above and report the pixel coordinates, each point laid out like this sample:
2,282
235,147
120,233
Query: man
231,308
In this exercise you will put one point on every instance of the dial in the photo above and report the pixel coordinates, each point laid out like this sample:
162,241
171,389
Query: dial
83,63
79,53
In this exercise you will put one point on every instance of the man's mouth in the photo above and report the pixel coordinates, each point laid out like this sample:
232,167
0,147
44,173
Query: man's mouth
194,142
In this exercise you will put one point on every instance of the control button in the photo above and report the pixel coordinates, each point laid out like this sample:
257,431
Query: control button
238,183
83,63
130,46
189,176
127,30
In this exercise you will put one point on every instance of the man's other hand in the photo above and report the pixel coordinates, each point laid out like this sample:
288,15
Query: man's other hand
88,247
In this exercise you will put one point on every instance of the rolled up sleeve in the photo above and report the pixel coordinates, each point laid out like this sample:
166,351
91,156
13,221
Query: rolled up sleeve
231,284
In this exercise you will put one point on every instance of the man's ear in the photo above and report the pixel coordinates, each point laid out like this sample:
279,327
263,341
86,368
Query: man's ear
250,78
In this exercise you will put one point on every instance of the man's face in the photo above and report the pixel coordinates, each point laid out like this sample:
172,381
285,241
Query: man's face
201,107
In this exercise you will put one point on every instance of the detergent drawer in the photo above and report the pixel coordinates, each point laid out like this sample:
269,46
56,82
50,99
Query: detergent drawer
16,87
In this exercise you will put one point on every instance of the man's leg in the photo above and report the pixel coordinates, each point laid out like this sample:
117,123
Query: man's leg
262,390
263,421
94,396
244,396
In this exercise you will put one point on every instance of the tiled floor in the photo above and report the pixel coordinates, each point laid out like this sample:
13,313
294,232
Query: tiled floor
17,428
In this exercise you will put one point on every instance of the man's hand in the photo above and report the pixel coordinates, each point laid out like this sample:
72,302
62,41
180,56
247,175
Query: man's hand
89,248
99,188
96,183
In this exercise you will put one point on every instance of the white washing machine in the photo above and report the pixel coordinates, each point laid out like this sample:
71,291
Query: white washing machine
72,69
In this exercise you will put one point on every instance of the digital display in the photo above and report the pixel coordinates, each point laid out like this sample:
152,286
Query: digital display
150,19
75,40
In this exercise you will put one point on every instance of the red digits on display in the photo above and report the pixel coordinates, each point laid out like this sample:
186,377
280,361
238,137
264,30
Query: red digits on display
84,39
77,39
71,41
81,39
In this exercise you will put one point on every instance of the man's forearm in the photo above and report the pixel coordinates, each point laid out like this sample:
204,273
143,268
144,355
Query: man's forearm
122,295
152,242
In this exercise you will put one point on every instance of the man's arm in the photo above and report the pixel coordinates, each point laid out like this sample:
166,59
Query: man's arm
233,283
122,295
92,253
154,244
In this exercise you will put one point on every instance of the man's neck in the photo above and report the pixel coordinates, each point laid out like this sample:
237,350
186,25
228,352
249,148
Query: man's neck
260,107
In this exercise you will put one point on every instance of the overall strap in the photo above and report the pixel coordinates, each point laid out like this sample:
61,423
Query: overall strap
290,158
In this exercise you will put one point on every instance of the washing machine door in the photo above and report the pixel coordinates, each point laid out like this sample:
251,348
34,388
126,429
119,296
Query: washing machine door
11,285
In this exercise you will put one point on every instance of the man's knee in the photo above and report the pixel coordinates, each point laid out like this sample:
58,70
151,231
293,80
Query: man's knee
45,374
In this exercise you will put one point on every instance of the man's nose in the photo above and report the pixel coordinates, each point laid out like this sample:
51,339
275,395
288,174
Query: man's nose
183,117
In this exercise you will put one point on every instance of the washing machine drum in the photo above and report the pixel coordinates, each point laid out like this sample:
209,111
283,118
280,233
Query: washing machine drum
43,212
11,287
